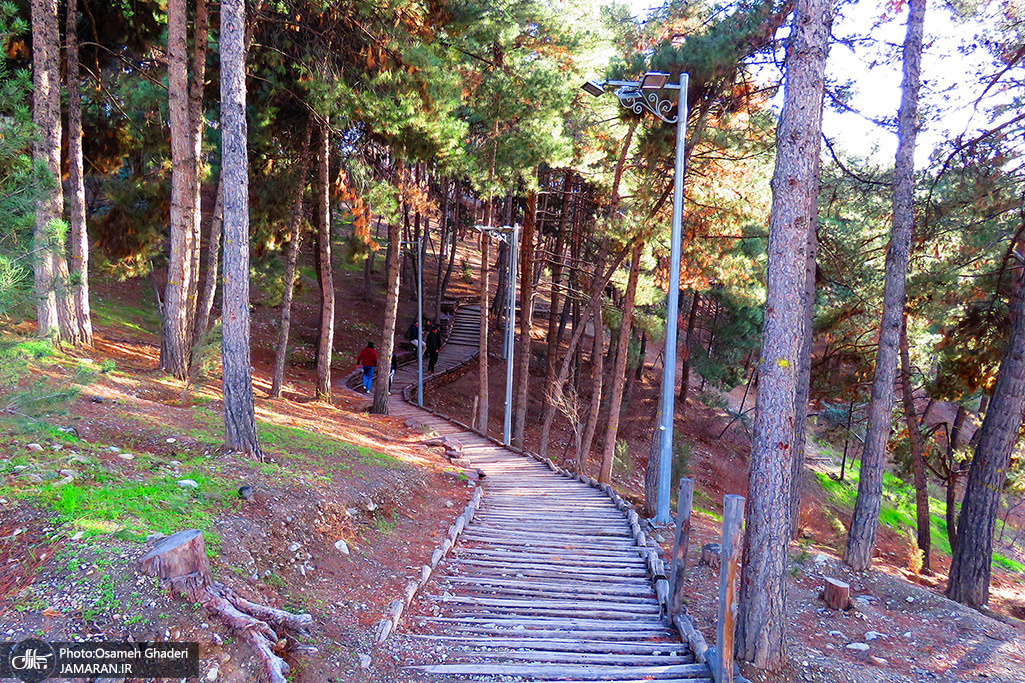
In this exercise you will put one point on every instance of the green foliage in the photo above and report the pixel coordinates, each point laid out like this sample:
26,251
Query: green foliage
21,181
31,406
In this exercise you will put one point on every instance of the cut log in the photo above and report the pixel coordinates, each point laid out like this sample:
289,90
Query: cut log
181,564
836,594
711,555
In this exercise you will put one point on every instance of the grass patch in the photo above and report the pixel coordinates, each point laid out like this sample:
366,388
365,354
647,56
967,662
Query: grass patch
117,314
898,510
130,510
312,446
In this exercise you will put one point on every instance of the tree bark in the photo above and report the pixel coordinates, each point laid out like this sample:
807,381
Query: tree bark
527,237
295,239
179,307
597,373
804,368
861,537
54,312
391,308
482,357
598,283
972,561
619,373
79,265
239,414
327,286
917,450
763,590
196,125
551,356
213,253
688,339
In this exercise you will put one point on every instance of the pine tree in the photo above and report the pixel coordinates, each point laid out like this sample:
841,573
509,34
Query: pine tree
239,410
763,593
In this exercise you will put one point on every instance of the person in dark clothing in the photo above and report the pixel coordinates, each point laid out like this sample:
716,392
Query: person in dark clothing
433,347
394,367
368,359
413,335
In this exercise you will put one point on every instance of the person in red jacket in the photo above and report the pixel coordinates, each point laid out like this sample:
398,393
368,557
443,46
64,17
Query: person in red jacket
368,359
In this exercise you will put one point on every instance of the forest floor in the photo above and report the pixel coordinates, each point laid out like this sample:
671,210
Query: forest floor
68,551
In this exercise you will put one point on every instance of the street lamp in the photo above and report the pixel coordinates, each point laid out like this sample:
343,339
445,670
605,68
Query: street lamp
510,235
640,96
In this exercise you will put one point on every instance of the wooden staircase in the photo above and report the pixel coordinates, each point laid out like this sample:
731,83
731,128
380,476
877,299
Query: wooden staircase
545,584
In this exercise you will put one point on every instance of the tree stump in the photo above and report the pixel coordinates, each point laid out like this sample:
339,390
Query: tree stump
181,564
836,594
711,555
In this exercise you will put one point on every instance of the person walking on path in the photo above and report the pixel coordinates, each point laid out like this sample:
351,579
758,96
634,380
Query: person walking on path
433,347
368,359
413,335
394,367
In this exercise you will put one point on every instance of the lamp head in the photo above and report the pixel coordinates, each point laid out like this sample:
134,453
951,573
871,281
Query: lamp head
654,80
594,88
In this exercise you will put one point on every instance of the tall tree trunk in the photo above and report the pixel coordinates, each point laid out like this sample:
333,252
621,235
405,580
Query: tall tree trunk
952,475
54,311
391,306
527,237
619,373
597,373
688,340
213,252
651,473
972,560
552,353
295,239
327,285
196,126
917,450
239,414
804,369
76,182
861,538
483,408
598,285
179,307
443,232
763,591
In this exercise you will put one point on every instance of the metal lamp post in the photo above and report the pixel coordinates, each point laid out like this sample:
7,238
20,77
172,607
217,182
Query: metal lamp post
510,235
649,95
420,322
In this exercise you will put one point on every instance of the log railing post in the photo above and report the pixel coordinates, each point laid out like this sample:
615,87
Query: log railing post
678,562
732,524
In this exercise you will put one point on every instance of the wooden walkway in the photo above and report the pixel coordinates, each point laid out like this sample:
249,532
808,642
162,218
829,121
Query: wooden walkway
545,584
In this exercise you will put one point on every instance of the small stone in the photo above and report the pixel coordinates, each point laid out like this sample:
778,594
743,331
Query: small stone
113,449
351,512
245,492
56,447
874,635
32,478
909,599
293,547
216,639
449,503
860,647
34,447
371,506
154,536
188,484
364,662
126,456
836,634
170,440
174,463
67,473
77,536
878,661
342,547
212,674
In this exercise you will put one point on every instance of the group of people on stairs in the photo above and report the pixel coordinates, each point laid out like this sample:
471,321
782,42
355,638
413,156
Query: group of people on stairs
367,358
